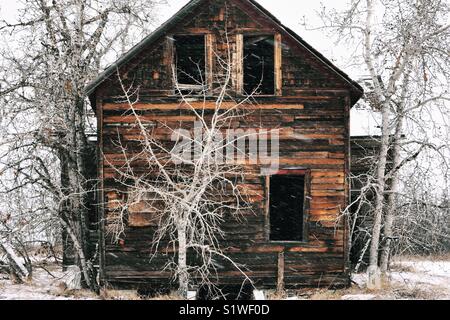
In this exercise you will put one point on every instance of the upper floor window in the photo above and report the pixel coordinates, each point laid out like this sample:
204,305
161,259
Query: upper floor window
256,63
259,64
190,59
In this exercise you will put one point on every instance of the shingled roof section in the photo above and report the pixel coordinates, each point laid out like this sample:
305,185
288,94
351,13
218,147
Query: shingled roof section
189,9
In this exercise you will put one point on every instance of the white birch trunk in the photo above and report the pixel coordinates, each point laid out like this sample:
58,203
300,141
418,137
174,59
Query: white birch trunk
373,270
390,207
183,276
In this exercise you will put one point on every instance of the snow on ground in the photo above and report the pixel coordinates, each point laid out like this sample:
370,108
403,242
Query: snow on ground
435,273
410,278
42,287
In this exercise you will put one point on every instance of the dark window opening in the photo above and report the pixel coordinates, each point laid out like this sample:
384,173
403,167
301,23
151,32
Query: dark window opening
259,64
190,61
287,194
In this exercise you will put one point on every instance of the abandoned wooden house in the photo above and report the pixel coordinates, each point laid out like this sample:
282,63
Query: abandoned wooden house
301,93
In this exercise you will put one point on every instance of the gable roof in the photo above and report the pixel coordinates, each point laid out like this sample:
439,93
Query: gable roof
189,9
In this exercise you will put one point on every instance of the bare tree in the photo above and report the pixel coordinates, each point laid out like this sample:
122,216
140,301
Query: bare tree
193,184
18,269
422,225
51,52
403,46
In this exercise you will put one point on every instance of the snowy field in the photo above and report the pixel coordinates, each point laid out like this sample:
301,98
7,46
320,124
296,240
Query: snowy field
417,279
410,278
43,287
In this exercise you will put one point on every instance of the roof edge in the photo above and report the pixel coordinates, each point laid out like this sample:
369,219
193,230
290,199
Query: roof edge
158,32
180,15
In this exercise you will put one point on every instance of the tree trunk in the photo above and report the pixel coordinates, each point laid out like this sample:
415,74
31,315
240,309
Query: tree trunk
374,280
68,249
82,149
394,175
390,207
86,267
17,269
73,178
183,276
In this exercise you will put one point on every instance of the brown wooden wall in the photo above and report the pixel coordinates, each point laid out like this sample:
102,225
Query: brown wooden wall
312,114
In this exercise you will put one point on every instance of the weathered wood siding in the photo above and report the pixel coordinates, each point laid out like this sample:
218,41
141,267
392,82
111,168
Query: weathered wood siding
312,114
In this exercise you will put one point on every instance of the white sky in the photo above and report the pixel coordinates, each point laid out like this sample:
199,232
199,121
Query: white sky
290,13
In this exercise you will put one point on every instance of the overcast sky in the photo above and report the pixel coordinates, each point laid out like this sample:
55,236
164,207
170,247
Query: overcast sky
291,14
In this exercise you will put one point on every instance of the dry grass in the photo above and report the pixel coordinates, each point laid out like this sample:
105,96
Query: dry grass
418,292
398,267
274,295
327,294
396,291
113,294
106,294
391,289
60,290
314,294
388,291
79,294
417,284
172,296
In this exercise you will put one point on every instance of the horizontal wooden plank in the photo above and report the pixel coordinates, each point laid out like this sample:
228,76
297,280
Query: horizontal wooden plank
201,106
147,118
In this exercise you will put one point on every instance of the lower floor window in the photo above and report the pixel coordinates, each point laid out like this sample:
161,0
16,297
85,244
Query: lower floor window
286,207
